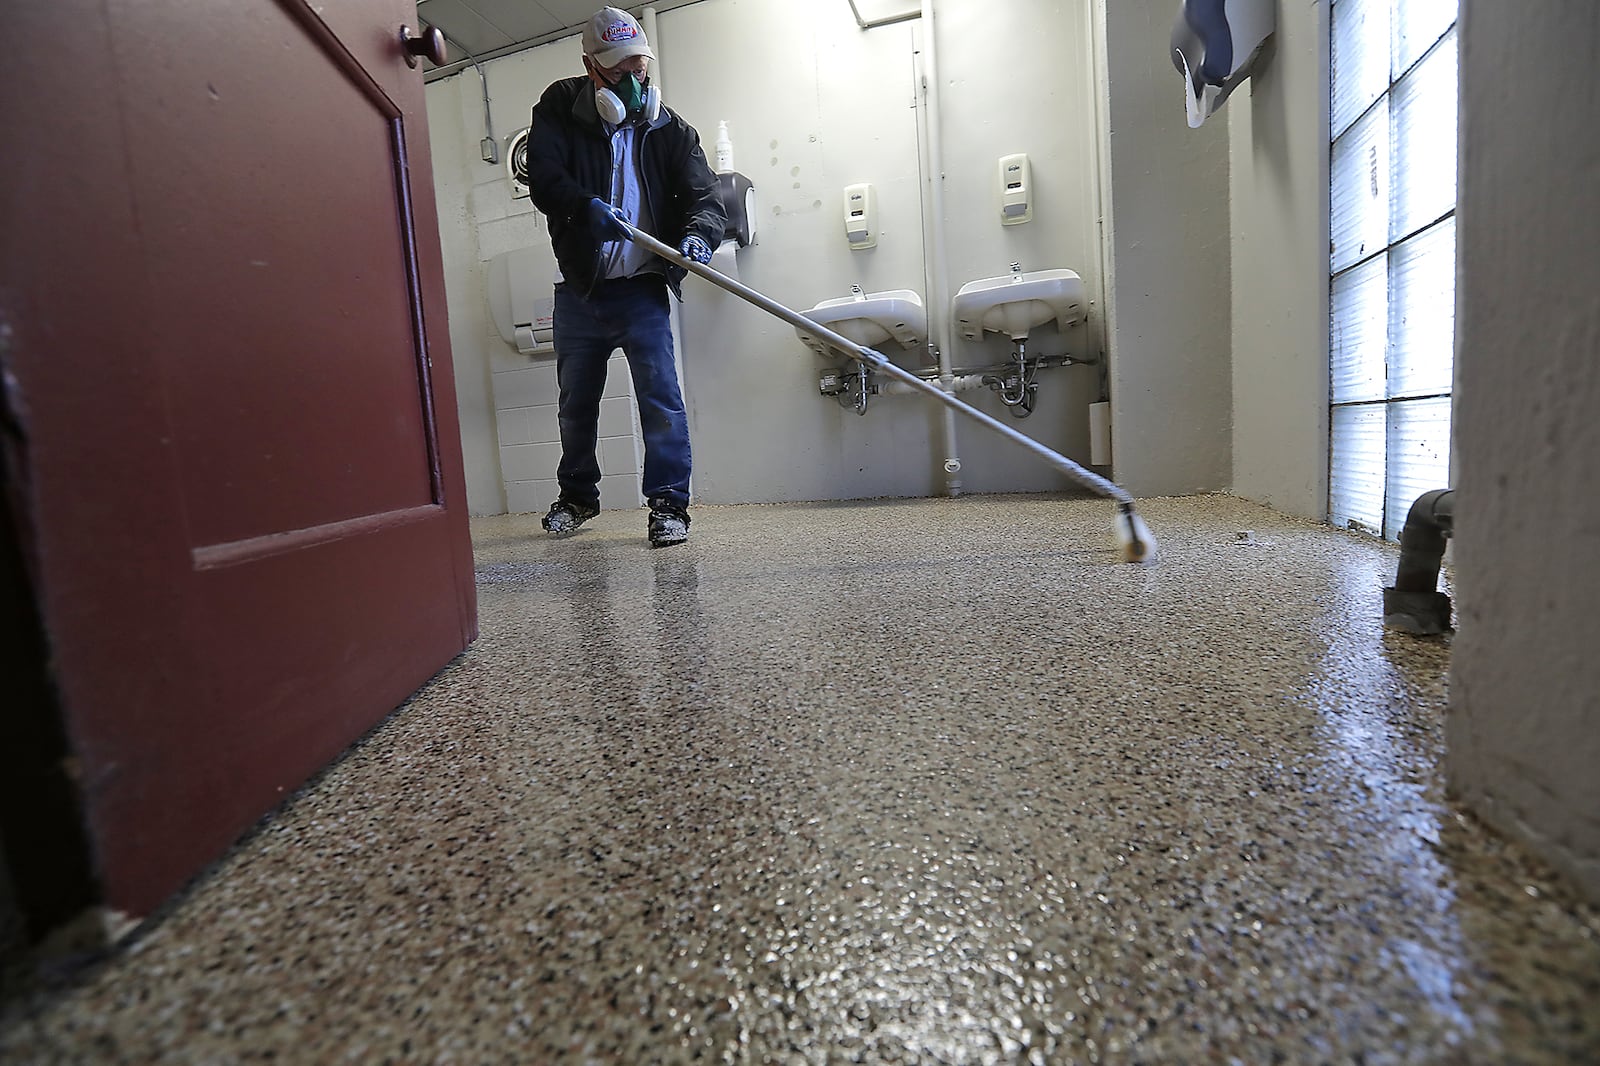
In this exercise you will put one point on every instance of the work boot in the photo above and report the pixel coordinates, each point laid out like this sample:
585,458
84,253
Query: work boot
565,517
669,524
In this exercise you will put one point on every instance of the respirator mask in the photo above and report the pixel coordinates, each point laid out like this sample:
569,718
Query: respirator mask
629,97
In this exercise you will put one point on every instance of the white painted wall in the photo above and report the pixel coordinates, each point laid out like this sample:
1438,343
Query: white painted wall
1171,306
1524,729
452,156
1278,140
829,106
839,110
822,104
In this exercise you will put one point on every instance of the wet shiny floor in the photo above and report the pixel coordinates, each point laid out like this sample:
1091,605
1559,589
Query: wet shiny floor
932,781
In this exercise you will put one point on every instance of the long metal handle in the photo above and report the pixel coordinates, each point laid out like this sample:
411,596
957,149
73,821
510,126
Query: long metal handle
1087,478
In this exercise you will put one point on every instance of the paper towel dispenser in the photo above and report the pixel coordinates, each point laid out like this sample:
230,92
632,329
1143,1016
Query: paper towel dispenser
1215,45
537,335
738,197
522,299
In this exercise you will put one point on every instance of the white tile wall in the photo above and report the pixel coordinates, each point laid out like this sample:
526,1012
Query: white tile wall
526,387
619,455
530,437
620,492
498,236
530,497
517,425
616,416
544,422
488,201
530,462
619,382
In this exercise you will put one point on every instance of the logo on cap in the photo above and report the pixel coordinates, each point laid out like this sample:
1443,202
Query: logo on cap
619,31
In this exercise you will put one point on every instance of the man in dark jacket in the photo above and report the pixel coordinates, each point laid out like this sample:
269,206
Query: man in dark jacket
602,147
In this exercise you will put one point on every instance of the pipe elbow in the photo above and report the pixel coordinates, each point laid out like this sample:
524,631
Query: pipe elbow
1435,508
1414,603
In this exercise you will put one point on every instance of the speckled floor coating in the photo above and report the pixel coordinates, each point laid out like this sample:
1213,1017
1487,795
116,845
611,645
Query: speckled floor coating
927,781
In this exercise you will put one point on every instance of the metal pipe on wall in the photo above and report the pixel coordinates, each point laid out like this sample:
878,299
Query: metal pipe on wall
1099,96
886,20
490,145
1414,603
647,22
938,294
959,383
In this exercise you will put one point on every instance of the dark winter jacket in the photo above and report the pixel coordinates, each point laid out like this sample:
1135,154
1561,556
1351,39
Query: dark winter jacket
569,164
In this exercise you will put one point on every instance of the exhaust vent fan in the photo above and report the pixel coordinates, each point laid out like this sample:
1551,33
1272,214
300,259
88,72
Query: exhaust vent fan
517,164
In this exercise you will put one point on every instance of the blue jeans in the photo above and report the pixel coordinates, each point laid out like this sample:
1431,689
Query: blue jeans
631,314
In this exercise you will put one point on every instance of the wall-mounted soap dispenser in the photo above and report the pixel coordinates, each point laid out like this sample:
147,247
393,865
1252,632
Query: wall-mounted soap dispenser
1016,189
861,215
737,193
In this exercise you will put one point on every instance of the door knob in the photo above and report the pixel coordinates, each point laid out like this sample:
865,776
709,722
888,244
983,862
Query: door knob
430,43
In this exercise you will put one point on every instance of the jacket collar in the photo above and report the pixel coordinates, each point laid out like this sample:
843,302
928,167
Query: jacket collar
583,108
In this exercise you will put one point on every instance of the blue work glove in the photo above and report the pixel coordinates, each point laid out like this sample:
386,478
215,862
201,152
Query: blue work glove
605,221
695,247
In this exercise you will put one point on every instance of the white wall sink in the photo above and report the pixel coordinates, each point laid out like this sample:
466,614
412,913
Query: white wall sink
870,319
1015,303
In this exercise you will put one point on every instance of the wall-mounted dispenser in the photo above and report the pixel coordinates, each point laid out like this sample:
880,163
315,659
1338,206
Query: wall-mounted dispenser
1016,189
522,299
737,193
1215,45
739,204
861,215
517,163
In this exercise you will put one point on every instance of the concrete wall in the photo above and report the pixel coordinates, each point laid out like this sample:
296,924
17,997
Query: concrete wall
1524,729
454,152
1170,313
825,105
1278,141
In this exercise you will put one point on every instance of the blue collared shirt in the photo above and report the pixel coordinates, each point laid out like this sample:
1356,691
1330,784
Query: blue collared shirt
624,259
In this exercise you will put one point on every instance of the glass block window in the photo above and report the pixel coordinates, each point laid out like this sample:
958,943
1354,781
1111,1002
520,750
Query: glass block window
1392,252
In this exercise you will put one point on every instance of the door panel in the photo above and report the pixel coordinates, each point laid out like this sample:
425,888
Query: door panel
245,512
294,681
270,198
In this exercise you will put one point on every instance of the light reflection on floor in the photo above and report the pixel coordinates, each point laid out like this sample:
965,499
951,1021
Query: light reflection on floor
1366,690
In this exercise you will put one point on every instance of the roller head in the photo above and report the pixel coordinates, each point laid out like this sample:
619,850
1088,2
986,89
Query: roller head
1134,542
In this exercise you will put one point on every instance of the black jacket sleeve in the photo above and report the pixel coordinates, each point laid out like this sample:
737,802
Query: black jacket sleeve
698,204
551,165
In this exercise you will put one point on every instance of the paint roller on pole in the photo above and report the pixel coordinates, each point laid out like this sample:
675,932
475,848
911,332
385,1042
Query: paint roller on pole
1134,541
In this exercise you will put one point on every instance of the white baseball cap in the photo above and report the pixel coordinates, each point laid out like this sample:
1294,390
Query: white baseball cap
613,35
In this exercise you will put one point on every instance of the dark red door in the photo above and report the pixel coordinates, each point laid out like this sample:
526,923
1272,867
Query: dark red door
232,432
